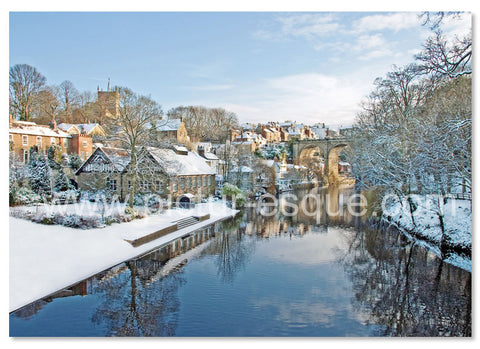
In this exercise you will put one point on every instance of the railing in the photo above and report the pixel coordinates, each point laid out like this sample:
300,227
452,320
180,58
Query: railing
460,196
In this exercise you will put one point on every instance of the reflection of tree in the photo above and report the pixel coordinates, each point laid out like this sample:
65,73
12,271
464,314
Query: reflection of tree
404,289
135,308
232,248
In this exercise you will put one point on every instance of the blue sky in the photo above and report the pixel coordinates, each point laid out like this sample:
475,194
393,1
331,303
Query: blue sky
304,66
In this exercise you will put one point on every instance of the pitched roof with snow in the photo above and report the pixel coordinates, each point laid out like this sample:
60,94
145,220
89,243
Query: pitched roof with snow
118,157
242,169
31,128
210,156
169,125
67,127
175,164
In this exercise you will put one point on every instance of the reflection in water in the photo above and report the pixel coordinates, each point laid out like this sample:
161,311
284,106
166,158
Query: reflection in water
407,289
305,273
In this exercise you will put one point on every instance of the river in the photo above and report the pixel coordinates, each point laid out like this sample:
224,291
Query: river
270,271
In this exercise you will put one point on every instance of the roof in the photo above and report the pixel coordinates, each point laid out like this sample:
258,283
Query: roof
242,169
66,127
180,165
210,156
82,128
31,128
169,125
87,128
120,158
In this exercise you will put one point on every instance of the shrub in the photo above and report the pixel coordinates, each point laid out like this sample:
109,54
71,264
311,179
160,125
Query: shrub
232,192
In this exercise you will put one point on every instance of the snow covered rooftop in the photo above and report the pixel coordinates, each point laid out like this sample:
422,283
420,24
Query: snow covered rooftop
31,128
242,169
210,156
82,128
66,127
176,164
168,125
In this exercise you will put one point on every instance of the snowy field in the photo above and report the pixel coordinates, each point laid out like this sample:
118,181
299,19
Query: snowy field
457,219
48,258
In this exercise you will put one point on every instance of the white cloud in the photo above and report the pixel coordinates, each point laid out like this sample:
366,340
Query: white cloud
459,26
310,98
306,25
394,21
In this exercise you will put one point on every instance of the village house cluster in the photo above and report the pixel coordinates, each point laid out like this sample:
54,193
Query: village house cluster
255,157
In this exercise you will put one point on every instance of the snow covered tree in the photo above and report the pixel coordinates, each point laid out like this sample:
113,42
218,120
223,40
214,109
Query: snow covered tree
54,156
61,182
40,175
444,57
74,161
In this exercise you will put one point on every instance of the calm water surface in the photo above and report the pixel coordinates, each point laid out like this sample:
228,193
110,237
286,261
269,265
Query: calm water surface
254,275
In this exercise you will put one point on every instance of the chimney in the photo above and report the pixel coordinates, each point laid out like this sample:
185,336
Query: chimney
201,151
108,85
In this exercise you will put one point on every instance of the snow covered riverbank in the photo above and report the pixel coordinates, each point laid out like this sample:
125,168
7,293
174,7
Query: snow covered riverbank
422,219
48,258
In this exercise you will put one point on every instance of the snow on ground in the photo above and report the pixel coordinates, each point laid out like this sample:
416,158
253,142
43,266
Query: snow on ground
48,258
457,216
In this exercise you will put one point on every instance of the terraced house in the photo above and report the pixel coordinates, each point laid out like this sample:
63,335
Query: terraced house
23,135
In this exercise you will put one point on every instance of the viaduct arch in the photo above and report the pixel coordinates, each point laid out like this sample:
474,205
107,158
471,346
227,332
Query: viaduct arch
328,149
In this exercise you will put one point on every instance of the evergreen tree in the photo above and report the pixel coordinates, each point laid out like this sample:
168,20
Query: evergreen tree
40,175
61,182
54,156
74,161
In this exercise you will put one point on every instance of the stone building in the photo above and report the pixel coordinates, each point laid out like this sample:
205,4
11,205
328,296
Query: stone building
185,173
173,130
104,170
171,173
108,103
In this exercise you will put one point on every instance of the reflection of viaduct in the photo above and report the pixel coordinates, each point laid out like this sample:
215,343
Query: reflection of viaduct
328,148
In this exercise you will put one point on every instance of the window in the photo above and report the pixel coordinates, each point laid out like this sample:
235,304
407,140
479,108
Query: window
82,155
112,184
39,141
25,156
209,180
85,144
52,141
204,181
182,183
24,140
174,185
189,182
194,182
65,143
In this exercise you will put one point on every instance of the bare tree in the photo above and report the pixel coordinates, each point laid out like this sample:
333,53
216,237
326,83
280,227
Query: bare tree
25,83
47,105
202,123
69,98
441,57
133,128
